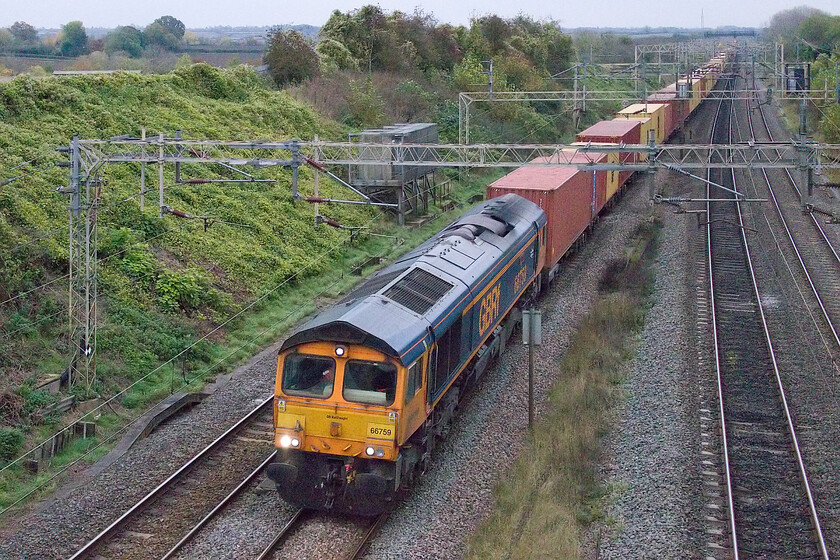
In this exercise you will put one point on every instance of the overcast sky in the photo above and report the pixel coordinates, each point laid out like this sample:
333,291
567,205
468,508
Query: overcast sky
577,13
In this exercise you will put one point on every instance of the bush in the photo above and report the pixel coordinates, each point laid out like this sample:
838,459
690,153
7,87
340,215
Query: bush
365,107
11,440
125,39
186,290
211,82
335,54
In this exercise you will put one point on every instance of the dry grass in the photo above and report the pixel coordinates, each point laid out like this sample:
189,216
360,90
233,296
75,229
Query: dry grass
552,491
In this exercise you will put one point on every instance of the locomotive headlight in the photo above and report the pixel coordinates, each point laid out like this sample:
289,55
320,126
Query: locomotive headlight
340,351
380,452
370,451
286,441
295,442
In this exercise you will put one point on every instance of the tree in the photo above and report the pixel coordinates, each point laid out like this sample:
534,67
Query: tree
72,39
23,33
156,34
290,57
125,39
496,31
785,24
172,25
6,38
821,31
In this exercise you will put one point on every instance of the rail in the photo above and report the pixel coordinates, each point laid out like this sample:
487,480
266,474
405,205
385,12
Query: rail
744,381
149,498
219,507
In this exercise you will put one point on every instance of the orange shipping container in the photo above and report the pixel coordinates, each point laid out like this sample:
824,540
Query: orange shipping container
566,195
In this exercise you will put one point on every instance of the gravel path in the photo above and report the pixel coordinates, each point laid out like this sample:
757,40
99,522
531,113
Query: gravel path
652,453
244,528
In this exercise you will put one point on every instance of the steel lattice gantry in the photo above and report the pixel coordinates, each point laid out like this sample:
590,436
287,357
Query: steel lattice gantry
89,158
93,154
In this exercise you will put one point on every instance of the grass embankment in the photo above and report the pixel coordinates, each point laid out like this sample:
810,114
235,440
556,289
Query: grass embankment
164,284
552,491
262,325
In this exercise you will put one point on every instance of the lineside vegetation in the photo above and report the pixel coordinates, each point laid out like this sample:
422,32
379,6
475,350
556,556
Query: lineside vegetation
552,491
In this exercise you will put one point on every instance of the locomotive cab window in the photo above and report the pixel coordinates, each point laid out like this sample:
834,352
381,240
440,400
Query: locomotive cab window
370,382
308,376
413,379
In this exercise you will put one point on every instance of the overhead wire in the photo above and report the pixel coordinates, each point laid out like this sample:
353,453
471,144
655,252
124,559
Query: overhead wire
185,383
201,339
136,382
99,261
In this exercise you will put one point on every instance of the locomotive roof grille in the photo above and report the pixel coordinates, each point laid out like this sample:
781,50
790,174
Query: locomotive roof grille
372,286
418,290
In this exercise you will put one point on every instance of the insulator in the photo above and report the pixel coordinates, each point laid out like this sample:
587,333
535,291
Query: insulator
314,163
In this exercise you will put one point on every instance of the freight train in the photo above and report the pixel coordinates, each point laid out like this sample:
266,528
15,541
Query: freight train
366,389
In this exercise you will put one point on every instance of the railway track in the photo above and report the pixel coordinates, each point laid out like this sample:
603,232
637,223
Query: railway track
771,508
365,528
818,259
171,514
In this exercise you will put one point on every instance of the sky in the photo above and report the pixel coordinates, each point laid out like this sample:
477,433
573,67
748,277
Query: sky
576,13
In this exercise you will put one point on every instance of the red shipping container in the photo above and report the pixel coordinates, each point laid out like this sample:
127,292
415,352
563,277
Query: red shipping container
566,195
615,132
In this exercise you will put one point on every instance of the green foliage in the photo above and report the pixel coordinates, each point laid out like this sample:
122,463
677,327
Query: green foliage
410,100
172,25
822,74
72,41
821,30
290,57
11,440
162,282
6,38
516,73
187,290
365,106
335,55
35,401
495,31
156,34
785,24
466,76
393,42
125,39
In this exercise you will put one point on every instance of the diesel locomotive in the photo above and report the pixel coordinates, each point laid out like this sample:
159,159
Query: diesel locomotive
366,388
